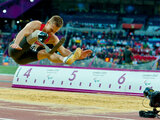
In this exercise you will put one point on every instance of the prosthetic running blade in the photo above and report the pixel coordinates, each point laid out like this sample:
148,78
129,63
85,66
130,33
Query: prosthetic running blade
51,51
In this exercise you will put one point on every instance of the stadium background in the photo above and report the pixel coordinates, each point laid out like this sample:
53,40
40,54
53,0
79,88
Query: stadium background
104,26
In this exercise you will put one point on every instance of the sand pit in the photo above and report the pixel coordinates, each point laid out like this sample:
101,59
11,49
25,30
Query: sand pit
86,103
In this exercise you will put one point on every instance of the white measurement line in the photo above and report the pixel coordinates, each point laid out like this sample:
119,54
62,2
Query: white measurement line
7,74
6,119
6,81
65,114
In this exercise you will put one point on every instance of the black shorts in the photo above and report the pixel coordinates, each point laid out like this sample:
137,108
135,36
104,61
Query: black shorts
24,56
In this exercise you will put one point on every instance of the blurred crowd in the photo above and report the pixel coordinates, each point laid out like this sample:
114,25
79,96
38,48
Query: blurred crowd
109,46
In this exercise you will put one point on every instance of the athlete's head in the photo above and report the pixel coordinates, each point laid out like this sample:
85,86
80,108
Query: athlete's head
54,24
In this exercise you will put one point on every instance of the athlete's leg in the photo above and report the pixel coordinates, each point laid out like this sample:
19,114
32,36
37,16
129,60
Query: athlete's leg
55,58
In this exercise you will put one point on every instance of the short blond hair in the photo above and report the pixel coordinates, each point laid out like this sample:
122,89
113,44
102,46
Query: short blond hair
57,20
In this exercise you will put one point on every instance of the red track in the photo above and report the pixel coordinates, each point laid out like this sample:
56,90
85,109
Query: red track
19,111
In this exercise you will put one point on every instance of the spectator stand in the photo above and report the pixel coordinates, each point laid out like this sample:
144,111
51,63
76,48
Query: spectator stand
109,44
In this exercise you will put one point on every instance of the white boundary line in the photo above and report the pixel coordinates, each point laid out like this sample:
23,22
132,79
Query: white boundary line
6,119
7,75
65,114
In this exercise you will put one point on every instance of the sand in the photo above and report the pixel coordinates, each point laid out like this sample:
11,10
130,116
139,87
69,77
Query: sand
85,102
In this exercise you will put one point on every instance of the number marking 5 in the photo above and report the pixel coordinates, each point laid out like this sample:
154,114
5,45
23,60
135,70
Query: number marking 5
74,76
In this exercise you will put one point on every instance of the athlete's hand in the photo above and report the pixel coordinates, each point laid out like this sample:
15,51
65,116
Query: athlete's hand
85,54
15,46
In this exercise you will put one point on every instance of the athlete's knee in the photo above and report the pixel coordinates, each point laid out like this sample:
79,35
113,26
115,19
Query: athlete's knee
37,34
42,36
33,37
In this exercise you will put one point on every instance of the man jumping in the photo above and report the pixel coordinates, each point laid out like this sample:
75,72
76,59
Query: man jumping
28,46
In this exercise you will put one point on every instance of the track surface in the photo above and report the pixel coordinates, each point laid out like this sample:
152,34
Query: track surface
14,110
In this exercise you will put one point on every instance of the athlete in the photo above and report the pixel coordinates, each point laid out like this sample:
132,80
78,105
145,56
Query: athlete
27,47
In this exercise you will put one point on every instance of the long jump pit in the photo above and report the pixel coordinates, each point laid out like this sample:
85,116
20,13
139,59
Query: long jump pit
25,104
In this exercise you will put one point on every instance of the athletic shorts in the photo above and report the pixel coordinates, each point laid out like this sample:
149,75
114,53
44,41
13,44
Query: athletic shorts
24,56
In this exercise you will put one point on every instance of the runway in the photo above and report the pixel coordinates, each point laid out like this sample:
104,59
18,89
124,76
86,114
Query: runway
24,104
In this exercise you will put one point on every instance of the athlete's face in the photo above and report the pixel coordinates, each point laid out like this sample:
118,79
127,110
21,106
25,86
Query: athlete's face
51,28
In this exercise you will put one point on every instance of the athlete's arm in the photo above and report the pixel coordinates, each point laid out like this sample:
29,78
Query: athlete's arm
27,30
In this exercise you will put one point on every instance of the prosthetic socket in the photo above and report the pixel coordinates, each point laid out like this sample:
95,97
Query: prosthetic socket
36,36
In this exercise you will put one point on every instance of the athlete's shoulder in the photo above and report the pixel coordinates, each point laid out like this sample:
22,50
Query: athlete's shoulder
34,24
